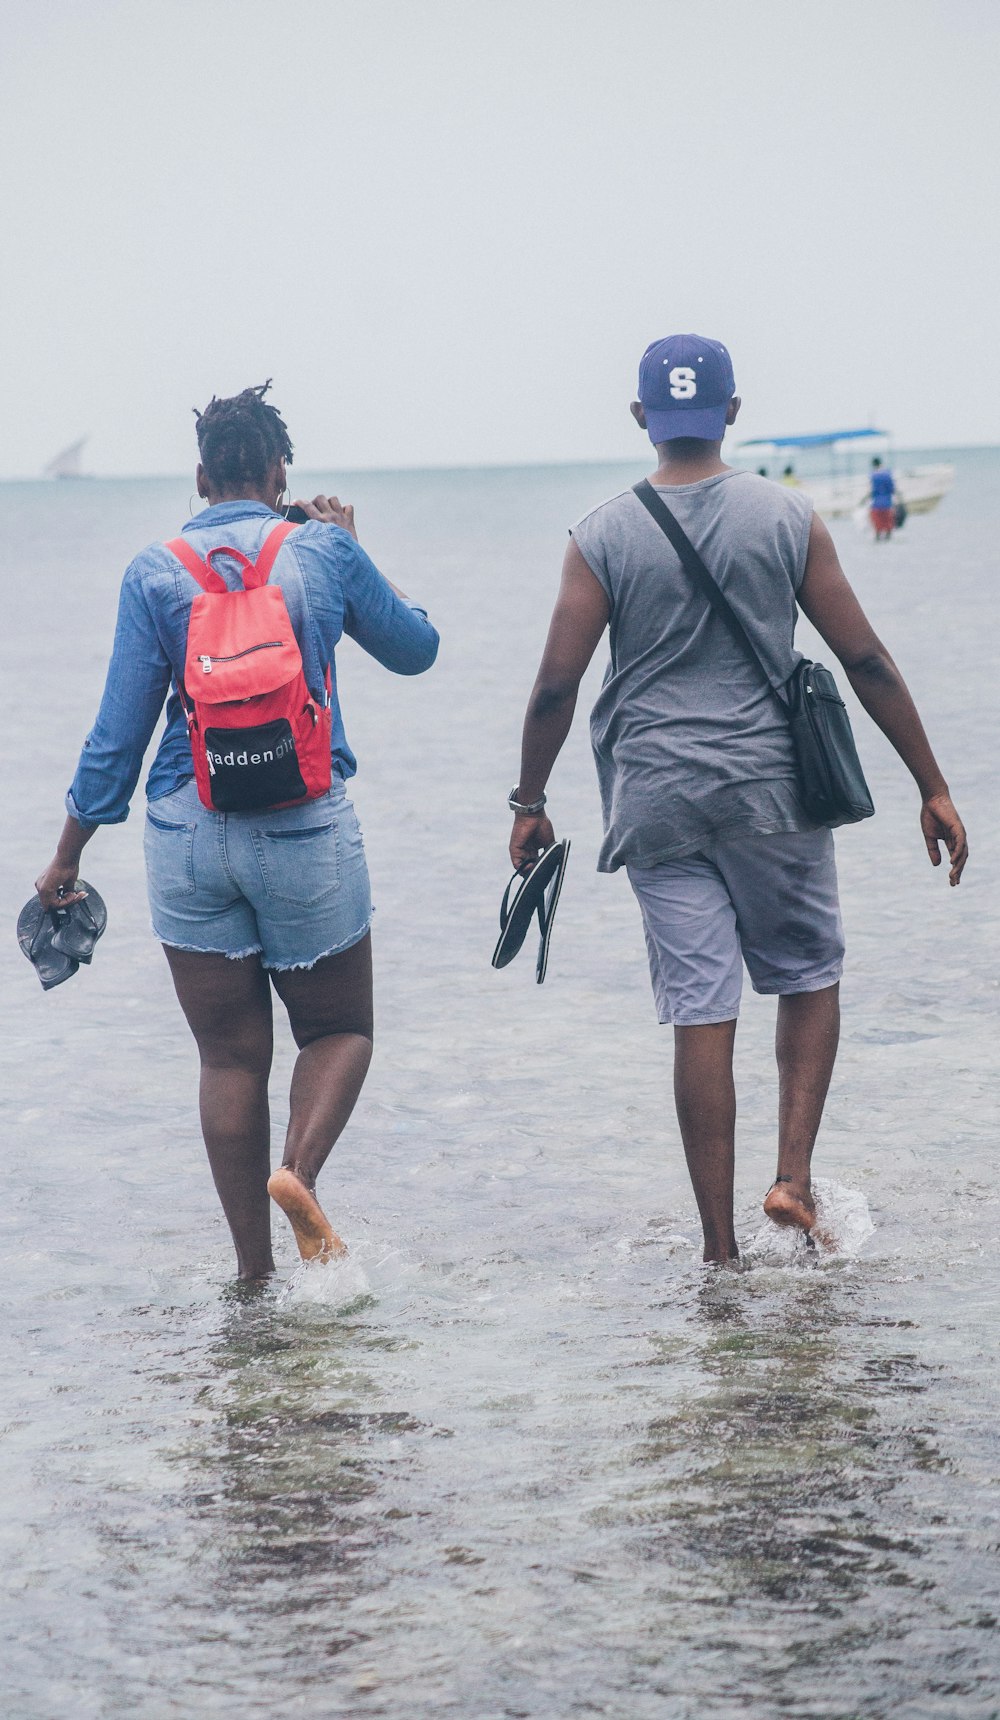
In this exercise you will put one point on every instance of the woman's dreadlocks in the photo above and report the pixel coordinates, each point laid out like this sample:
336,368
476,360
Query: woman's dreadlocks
240,439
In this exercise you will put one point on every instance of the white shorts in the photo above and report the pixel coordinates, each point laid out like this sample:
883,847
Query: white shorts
768,901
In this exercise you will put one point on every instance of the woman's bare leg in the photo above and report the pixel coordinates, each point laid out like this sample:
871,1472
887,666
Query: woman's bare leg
330,1011
228,1009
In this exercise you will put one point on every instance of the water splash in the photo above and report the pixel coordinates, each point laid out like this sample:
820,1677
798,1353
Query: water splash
843,1226
369,1272
338,1284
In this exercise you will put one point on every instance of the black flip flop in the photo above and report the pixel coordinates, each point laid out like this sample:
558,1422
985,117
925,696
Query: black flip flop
537,893
547,913
36,928
82,924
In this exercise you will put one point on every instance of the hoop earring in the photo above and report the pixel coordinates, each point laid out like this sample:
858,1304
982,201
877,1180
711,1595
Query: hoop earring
191,501
282,507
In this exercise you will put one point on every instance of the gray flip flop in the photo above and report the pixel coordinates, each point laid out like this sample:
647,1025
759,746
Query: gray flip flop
82,923
36,928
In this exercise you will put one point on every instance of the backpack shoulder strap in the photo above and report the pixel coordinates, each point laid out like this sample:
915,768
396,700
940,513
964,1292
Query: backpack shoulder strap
199,570
261,571
693,565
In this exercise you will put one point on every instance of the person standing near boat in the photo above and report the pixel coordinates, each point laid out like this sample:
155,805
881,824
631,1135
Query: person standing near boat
243,900
882,507
696,767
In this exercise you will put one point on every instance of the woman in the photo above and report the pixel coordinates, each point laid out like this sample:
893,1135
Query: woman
245,900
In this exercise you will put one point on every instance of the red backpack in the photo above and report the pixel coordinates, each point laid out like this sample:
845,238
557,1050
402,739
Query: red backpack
258,737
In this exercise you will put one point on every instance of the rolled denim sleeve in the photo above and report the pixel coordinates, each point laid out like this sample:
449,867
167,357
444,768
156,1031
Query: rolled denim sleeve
137,684
395,632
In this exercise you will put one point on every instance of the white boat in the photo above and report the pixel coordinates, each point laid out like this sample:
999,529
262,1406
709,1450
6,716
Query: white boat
840,490
68,464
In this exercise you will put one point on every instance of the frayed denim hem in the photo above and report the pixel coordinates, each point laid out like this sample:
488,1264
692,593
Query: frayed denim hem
337,950
199,949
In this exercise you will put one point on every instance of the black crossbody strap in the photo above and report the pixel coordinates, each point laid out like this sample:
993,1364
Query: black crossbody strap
671,527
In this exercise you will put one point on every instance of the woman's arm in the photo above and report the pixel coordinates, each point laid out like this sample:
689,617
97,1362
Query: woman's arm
578,620
331,511
137,683
55,884
830,604
396,632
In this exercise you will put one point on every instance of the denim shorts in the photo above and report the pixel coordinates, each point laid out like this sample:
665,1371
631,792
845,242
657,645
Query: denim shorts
289,886
768,901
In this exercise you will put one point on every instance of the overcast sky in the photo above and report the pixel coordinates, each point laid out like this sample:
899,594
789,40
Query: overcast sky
448,228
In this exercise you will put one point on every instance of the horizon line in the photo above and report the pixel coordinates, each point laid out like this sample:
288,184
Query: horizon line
437,467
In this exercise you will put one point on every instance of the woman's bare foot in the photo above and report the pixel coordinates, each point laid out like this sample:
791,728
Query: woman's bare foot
790,1202
316,1238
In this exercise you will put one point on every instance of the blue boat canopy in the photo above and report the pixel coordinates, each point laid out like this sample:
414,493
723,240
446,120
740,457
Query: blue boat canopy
823,440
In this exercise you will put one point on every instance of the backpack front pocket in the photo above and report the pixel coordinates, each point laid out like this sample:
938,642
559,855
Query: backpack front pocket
252,768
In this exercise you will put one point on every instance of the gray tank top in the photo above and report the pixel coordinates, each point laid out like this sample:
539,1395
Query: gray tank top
689,739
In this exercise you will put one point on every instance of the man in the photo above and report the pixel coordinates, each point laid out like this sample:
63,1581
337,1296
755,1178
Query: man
882,510
696,770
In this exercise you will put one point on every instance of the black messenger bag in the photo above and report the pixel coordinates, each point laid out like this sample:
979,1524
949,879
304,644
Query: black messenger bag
832,784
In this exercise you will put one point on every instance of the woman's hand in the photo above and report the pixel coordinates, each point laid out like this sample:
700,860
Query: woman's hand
531,835
331,511
55,886
940,823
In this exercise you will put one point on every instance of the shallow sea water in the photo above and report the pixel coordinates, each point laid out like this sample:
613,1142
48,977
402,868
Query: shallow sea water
521,1454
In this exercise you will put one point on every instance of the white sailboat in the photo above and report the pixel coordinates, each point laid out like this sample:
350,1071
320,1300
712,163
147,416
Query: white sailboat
69,463
843,489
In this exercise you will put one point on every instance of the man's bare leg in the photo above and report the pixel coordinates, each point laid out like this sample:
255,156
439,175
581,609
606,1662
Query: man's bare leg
706,1111
806,1040
330,1011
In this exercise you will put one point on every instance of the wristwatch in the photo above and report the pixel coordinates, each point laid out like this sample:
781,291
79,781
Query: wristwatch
518,807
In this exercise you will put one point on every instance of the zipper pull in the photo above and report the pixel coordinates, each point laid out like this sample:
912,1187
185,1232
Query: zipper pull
206,663
208,761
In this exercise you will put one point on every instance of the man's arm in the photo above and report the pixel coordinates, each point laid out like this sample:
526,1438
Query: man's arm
827,599
578,620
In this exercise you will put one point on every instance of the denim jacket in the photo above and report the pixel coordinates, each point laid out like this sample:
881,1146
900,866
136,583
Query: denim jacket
330,587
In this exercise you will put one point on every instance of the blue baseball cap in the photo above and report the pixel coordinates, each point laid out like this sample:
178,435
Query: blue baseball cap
685,385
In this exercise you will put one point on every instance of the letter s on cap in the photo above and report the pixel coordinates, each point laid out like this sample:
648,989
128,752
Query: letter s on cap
683,382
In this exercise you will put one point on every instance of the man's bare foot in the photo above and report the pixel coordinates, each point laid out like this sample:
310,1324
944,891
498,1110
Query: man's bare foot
790,1202
314,1234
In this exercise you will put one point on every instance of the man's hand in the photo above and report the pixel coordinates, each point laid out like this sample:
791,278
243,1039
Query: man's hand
940,823
531,835
55,886
331,511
